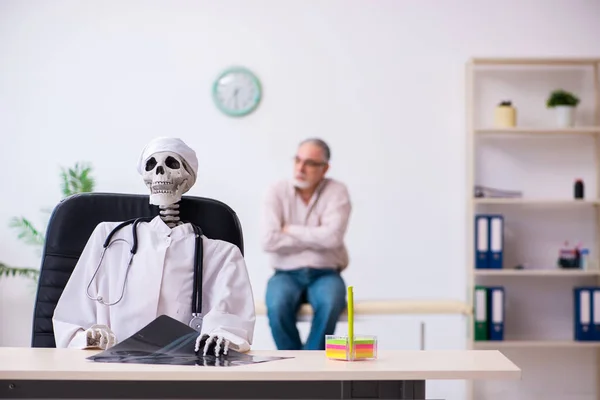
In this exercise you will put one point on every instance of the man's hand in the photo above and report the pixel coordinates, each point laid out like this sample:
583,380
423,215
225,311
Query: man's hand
99,336
213,345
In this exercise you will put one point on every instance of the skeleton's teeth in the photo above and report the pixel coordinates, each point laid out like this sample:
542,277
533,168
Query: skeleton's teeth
161,185
165,183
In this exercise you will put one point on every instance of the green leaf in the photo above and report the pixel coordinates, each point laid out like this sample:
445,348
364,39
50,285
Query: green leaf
77,179
27,231
7,271
64,184
560,97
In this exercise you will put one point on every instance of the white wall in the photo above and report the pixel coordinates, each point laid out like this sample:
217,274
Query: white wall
382,82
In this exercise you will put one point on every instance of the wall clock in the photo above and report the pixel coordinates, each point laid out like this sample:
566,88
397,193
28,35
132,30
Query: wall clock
237,92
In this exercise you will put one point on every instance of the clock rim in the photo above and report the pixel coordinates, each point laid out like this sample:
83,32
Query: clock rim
256,99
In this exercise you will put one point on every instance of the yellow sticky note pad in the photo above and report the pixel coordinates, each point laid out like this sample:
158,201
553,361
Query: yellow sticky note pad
364,347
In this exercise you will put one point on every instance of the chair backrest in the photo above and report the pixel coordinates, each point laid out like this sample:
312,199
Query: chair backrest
72,223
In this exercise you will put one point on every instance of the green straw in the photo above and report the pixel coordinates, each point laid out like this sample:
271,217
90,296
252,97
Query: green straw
351,320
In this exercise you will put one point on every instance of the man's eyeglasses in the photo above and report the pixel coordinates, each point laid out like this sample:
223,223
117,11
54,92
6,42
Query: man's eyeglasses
309,163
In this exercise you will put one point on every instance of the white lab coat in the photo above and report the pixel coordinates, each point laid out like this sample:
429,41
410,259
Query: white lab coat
160,282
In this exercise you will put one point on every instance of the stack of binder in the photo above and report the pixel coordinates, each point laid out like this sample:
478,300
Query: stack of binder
489,313
485,191
489,241
587,313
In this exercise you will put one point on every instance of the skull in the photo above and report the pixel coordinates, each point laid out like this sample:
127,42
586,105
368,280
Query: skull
167,176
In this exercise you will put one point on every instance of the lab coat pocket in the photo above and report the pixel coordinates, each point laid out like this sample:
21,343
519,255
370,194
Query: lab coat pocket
184,310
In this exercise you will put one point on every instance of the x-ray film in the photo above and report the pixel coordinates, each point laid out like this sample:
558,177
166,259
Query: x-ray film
168,341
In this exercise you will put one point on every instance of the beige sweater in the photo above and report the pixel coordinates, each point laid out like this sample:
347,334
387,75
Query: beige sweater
316,230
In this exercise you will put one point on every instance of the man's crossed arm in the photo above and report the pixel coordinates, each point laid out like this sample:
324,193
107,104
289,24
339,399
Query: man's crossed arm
280,237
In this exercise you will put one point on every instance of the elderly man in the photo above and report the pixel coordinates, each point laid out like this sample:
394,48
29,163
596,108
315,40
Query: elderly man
306,220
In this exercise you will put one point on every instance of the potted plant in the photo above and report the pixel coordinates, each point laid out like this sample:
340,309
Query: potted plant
505,115
73,180
564,103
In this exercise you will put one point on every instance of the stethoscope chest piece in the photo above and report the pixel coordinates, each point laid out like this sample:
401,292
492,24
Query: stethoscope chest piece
196,323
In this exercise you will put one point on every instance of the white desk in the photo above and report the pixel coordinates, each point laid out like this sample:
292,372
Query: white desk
65,373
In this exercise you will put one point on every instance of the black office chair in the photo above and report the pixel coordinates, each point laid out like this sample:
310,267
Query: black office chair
73,221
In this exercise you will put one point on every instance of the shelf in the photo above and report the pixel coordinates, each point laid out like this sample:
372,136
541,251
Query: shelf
534,61
540,202
536,272
491,344
545,136
580,130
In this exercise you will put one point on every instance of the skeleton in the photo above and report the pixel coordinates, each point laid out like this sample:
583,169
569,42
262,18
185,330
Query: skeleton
168,177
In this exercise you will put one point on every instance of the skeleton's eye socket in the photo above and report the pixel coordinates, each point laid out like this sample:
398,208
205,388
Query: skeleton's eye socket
172,163
150,164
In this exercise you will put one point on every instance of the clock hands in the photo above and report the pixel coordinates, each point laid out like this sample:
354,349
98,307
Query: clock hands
235,96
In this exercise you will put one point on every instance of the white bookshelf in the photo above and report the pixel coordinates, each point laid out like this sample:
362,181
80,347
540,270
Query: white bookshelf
551,344
541,273
547,276
580,130
537,202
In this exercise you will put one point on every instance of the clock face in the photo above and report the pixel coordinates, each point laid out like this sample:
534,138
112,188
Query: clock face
237,92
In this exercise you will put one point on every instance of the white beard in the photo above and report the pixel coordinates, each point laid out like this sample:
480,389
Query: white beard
301,184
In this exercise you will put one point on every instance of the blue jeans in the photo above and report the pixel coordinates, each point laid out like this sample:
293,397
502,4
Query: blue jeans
323,289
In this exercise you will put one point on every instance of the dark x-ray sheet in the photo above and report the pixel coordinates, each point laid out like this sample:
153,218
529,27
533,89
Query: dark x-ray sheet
168,341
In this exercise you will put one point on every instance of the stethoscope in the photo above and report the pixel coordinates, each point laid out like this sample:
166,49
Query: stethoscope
196,321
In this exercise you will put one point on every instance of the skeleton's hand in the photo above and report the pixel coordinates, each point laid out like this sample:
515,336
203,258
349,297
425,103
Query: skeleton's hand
99,336
214,345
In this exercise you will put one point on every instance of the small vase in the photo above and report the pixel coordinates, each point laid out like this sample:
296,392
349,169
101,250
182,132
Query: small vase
505,117
565,116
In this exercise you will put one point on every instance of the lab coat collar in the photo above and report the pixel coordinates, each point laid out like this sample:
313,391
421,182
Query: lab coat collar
159,226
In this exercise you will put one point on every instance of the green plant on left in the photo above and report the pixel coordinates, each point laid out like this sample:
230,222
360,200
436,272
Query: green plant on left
73,180
77,180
